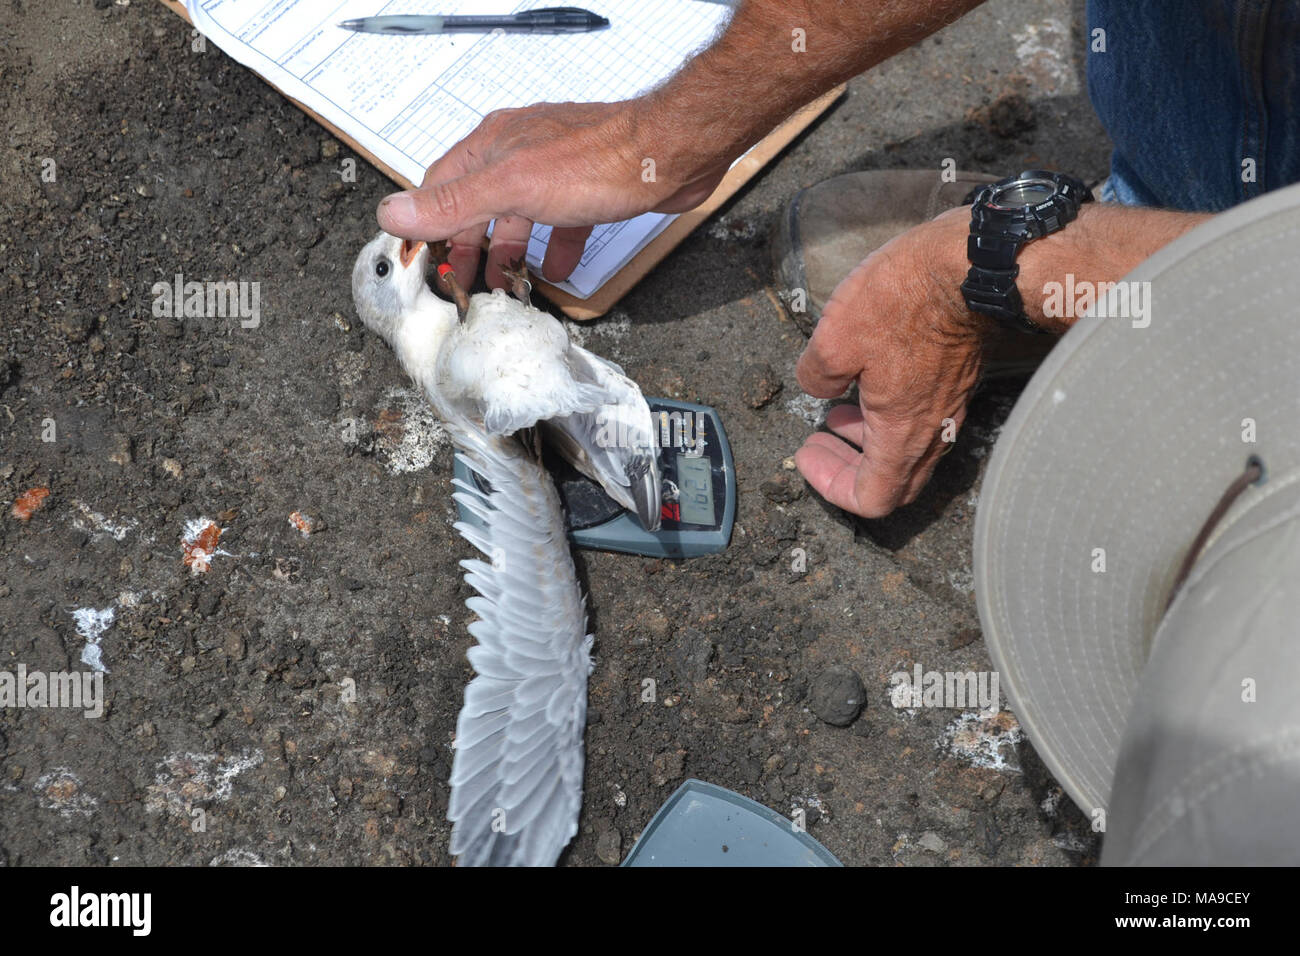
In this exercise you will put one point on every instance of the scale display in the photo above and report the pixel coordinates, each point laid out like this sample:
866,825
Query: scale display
695,490
698,480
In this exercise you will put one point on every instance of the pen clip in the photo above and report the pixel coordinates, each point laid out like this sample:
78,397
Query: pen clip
552,10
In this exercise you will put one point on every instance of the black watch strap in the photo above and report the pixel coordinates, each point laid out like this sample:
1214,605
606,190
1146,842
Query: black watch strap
993,292
997,235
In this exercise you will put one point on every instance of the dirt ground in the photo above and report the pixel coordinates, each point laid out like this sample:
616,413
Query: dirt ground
296,702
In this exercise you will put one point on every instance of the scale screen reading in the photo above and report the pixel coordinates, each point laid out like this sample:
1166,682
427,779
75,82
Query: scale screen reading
695,482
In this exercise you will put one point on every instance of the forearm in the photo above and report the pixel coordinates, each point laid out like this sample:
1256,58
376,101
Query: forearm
1063,271
774,57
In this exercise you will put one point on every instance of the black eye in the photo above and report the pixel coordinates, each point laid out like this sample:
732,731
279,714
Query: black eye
381,268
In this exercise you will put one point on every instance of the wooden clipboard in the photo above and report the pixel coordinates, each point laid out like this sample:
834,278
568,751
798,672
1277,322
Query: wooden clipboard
619,284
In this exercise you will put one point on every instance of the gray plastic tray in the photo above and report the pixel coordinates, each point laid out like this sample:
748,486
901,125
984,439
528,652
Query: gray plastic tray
706,825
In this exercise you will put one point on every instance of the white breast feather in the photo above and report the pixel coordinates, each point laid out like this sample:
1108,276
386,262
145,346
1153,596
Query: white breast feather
507,365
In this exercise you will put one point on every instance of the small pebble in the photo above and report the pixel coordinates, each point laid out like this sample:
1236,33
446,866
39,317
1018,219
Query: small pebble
932,841
760,384
609,847
838,695
781,489
235,646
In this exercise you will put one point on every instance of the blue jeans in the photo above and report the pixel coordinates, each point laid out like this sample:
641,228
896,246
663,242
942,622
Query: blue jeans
1201,99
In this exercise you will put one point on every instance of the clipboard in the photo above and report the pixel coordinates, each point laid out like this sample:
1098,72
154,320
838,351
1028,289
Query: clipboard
618,285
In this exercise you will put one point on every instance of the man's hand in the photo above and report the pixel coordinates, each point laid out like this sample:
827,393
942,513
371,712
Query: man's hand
572,166
898,326
569,165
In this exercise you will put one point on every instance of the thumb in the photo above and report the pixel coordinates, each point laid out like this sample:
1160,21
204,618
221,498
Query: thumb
818,376
441,210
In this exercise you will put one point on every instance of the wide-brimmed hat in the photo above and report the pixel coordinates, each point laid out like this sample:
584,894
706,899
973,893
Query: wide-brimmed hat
1178,731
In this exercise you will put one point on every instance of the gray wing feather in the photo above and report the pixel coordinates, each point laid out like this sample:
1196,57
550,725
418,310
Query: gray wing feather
517,773
613,443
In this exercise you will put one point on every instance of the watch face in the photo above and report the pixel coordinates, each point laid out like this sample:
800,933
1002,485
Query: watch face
1024,192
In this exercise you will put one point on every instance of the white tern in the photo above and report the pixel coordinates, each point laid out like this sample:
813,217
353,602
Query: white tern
502,376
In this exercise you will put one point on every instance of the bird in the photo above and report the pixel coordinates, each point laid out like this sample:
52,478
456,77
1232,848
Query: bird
505,379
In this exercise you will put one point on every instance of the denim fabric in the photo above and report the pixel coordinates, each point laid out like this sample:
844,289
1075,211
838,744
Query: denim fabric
1188,90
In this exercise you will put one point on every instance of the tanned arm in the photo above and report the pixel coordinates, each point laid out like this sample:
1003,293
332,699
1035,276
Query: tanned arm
574,165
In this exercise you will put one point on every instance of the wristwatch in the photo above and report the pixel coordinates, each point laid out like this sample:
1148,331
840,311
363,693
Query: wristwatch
1005,216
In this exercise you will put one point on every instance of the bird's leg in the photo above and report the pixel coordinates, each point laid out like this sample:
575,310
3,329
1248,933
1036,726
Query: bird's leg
531,439
459,295
439,252
520,285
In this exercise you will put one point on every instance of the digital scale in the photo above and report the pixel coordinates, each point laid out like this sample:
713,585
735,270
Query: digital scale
698,479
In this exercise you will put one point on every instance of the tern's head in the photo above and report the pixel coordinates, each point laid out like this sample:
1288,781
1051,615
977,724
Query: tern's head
388,282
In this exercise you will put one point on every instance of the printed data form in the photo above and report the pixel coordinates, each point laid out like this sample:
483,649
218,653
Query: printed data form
408,99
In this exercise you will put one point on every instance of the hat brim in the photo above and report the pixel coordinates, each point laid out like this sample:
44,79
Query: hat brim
1111,461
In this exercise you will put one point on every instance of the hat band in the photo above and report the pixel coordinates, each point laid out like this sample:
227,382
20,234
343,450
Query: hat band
1253,475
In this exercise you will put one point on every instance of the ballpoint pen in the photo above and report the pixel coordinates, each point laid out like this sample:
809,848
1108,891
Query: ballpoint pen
540,20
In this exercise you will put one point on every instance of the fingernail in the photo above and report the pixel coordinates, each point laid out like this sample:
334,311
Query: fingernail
399,208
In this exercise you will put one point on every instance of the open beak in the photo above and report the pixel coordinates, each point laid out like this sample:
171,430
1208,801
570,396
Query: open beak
408,251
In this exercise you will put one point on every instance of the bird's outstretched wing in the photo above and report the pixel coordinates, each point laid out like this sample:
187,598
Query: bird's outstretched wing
516,777
613,443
